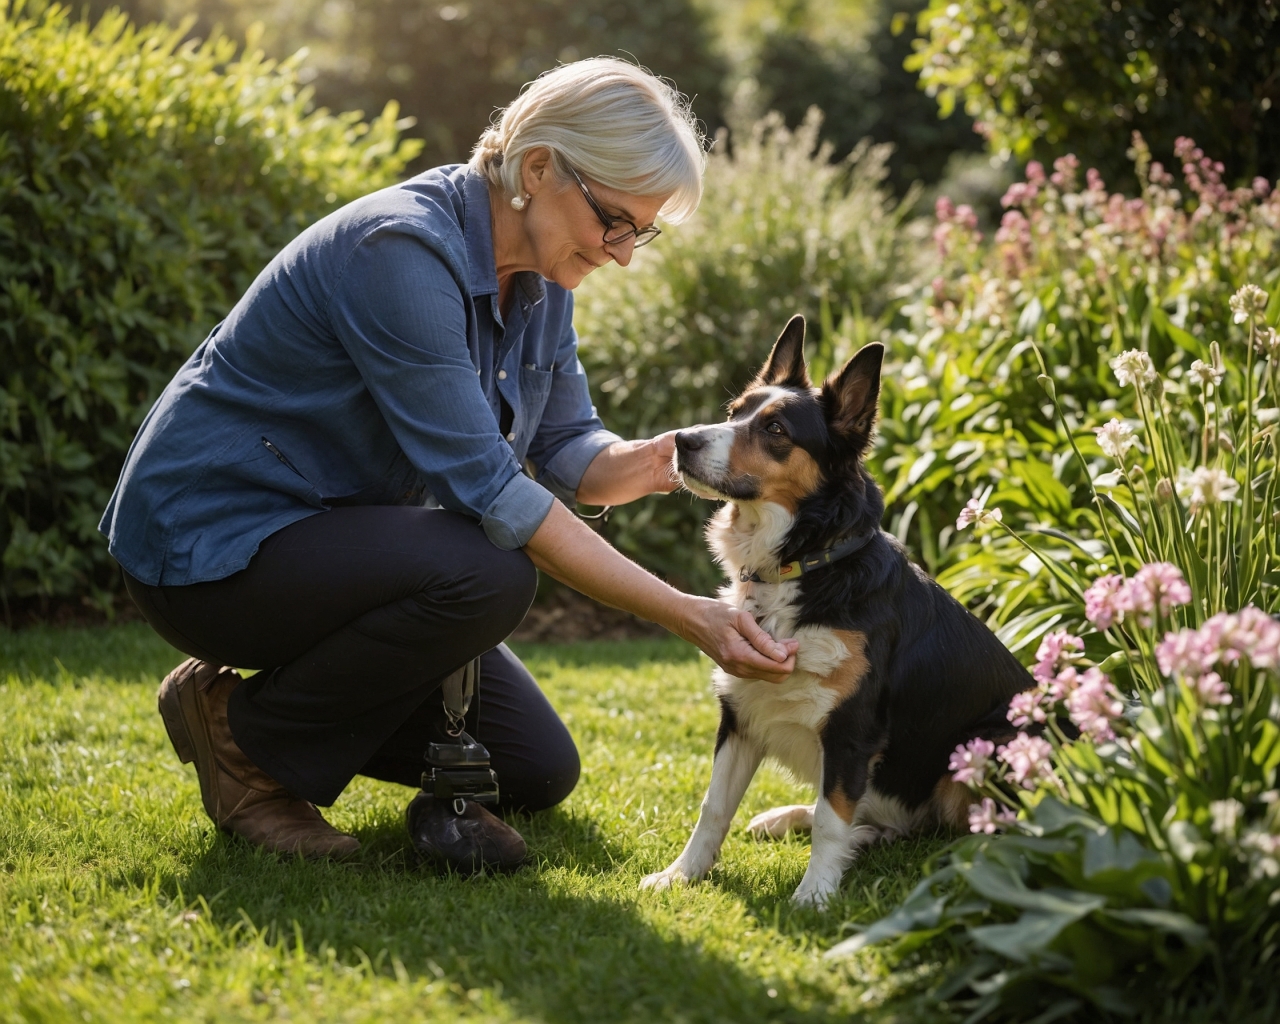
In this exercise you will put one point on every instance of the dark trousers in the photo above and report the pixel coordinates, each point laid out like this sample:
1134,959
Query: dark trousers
354,616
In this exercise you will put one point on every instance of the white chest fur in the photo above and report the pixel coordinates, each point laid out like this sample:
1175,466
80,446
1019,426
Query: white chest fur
784,718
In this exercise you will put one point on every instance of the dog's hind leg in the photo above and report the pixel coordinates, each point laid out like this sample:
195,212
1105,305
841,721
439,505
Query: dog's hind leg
734,766
778,821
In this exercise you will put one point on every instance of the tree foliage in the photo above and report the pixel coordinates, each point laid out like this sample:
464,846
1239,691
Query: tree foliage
859,83
143,183
450,65
1046,76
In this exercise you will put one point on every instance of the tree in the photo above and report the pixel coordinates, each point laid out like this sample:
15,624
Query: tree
450,65
860,84
1043,77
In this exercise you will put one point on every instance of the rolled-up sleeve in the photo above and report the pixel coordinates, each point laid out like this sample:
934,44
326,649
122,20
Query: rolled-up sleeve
570,434
401,315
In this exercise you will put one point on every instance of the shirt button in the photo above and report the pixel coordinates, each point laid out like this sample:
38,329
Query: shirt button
502,375
511,436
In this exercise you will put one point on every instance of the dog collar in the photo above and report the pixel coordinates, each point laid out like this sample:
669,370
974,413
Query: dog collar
807,563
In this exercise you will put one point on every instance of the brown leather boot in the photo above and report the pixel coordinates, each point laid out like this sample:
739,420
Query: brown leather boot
238,795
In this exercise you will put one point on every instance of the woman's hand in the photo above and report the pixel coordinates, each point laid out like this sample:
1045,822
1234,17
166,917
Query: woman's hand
733,639
628,470
567,550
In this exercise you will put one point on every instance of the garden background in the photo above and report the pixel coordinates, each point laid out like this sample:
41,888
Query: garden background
1101,183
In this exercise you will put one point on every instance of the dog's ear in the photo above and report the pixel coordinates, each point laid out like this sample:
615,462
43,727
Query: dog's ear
850,396
785,366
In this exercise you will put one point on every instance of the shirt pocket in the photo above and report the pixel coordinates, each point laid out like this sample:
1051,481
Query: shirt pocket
292,482
535,389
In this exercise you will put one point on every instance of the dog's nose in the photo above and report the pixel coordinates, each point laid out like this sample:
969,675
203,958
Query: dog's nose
690,441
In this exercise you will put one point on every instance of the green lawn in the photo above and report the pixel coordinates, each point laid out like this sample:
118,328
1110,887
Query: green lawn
120,901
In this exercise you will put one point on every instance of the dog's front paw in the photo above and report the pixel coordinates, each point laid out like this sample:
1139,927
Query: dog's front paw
813,896
777,822
660,880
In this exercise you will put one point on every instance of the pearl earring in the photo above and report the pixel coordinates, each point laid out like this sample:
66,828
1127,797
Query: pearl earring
518,203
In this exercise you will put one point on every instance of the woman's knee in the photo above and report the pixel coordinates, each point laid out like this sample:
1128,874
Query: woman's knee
511,581
548,783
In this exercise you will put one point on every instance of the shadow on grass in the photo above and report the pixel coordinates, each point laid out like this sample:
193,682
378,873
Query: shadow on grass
129,652
553,954
875,884
132,652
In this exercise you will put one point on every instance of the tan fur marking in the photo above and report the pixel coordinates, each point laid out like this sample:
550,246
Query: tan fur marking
784,483
951,802
841,804
849,675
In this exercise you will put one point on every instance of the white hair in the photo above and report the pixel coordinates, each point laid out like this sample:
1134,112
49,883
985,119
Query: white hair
609,120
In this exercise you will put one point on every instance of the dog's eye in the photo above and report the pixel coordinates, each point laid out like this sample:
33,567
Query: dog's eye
775,428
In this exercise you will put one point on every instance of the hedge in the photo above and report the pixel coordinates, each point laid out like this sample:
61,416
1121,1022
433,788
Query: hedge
143,183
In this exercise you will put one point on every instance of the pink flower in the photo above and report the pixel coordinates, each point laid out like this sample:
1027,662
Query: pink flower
1261,187
1209,689
1035,173
1064,684
988,817
970,761
1028,758
1188,652
1252,634
1064,172
1157,586
1055,652
1027,707
1094,705
944,209
1018,194
973,512
1102,601
965,216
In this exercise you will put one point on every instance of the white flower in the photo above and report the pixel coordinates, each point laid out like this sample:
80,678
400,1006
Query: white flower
1226,815
973,512
1206,486
1260,846
1269,343
1134,367
1248,302
1115,439
1205,374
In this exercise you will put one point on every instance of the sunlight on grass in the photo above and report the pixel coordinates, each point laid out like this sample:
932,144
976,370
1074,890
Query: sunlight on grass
121,902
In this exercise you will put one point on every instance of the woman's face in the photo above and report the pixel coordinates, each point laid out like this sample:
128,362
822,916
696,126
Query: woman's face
564,233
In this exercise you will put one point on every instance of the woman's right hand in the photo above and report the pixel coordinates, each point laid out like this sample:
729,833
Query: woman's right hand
566,549
733,639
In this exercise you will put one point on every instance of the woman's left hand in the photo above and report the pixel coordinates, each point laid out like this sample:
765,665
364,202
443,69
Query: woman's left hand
628,470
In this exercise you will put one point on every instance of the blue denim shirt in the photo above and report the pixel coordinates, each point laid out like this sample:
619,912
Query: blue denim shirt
366,365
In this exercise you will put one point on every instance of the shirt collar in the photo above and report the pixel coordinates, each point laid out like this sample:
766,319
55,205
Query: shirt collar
477,229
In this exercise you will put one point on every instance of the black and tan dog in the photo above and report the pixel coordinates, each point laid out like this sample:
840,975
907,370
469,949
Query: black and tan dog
892,672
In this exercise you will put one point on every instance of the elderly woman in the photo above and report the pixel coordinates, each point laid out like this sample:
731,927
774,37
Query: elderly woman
349,484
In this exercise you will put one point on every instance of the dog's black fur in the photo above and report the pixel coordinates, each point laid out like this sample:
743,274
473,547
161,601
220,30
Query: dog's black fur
936,675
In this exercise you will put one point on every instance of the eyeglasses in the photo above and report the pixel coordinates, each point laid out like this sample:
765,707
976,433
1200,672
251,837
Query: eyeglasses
616,229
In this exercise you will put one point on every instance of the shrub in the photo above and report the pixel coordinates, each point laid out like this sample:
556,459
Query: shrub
144,184
666,342
1142,869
